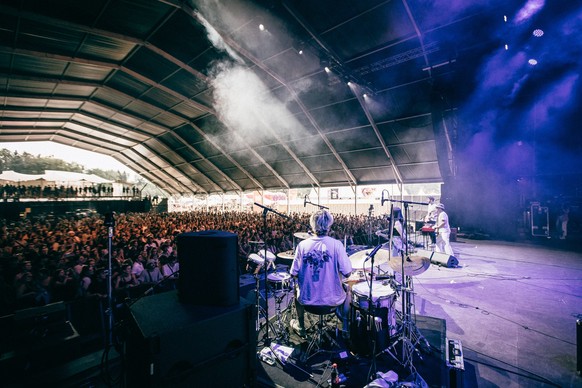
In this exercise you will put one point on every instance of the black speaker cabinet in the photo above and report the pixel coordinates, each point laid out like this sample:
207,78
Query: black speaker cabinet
208,268
438,258
174,344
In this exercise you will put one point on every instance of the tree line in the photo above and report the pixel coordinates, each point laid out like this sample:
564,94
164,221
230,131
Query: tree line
26,163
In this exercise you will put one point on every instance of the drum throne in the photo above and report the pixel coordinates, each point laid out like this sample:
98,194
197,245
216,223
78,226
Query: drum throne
323,328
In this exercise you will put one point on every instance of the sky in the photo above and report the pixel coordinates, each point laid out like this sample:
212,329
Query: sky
69,154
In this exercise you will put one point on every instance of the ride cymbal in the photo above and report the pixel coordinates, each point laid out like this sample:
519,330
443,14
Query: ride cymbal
413,265
358,259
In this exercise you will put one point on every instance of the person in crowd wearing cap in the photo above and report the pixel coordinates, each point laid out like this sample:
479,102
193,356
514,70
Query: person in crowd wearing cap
320,264
431,217
443,230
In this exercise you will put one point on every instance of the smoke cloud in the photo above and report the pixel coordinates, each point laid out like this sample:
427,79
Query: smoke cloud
241,99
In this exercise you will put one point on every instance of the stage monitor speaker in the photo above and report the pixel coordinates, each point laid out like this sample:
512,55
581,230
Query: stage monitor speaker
438,258
208,268
175,344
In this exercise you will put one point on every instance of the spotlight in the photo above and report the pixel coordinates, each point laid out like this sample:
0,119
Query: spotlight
538,33
532,62
506,47
327,70
261,27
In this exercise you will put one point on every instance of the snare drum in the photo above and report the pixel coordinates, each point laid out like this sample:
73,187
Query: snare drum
380,325
254,263
279,281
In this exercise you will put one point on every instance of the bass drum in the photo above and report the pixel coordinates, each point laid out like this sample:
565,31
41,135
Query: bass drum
372,319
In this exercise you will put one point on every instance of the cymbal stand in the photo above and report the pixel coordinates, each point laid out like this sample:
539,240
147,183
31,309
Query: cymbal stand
266,210
261,312
410,336
280,327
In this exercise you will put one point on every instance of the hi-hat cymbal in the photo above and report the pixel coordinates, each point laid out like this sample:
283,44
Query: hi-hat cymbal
302,235
358,259
413,265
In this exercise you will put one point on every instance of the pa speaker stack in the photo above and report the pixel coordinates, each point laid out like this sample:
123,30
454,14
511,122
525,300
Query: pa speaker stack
201,335
438,258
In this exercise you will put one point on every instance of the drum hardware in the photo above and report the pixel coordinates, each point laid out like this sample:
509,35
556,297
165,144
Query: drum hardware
266,338
409,336
281,285
360,258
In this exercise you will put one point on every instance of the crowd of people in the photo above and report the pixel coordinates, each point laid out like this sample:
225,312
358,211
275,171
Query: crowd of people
52,191
66,259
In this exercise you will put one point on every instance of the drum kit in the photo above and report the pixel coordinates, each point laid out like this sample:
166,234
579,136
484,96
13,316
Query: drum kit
380,276
279,285
376,326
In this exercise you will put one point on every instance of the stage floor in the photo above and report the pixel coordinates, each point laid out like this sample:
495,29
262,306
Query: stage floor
512,306
356,370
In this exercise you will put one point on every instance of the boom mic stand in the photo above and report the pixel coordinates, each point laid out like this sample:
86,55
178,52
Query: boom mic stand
409,335
109,221
307,201
370,318
266,338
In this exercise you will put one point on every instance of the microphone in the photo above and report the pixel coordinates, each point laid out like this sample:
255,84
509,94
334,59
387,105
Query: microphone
384,199
305,200
373,253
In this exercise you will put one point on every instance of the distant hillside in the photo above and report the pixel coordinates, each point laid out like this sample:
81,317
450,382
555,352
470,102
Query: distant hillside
27,163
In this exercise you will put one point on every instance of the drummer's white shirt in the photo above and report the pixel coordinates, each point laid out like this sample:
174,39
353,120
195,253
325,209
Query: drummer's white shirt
319,264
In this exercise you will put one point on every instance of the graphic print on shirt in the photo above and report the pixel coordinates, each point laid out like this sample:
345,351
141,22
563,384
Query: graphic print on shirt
315,259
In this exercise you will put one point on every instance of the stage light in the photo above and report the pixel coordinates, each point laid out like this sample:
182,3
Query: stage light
538,33
261,27
532,62
327,70
506,47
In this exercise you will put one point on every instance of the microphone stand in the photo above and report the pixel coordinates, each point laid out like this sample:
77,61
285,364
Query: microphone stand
370,319
409,329
266,339
266,210
109,221
307,201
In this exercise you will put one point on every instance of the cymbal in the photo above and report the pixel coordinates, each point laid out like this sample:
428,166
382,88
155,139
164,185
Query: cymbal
289,255
302,235
414,265
358,259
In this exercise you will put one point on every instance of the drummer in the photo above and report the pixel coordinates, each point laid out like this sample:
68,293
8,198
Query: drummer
320,264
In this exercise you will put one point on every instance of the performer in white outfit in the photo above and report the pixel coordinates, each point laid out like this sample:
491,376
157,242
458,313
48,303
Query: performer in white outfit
443,231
